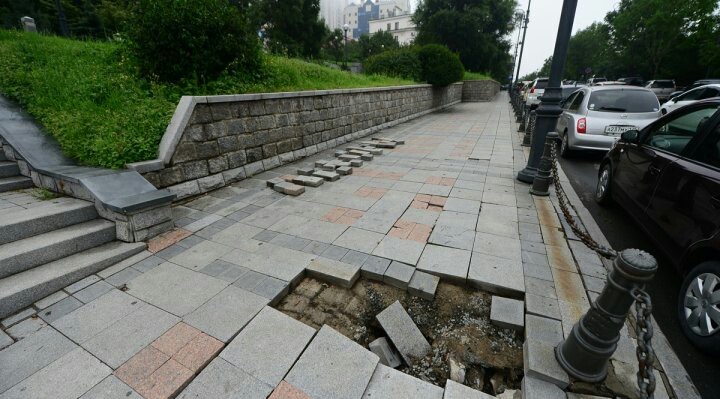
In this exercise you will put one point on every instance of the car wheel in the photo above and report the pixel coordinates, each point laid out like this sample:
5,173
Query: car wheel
699,307
565,146
602,190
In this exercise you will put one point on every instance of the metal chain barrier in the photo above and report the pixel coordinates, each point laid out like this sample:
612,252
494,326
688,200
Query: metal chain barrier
643,303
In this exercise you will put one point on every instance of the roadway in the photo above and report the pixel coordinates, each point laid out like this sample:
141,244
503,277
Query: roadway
581,168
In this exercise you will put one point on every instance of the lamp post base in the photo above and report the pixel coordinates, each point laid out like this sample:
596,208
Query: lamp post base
527,175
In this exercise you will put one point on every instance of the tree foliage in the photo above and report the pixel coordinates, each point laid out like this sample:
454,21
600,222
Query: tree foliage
377,43
334,43
440,66
475,29
293,28
403,63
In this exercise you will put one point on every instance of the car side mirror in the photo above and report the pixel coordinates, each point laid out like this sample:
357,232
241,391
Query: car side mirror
630,136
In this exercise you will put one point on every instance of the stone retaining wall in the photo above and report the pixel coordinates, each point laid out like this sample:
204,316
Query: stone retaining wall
216,140
479,90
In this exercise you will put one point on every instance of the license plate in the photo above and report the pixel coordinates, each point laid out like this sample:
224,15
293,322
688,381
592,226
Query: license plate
618,129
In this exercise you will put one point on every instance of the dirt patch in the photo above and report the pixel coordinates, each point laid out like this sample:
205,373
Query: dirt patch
457,325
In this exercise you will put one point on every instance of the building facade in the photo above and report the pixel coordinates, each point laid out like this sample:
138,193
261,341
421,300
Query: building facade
332,12
358,16
401,27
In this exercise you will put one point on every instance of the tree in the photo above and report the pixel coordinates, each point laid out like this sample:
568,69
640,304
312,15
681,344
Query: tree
377,43
294,27
588,50
476,29
334,44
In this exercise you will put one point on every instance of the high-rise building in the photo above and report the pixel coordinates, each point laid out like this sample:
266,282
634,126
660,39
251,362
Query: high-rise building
358,15
332,12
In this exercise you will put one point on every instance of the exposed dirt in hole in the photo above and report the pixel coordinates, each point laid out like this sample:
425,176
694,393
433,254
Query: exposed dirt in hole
457,325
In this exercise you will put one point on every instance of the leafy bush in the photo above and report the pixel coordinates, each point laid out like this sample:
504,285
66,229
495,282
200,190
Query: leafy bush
177,39
440,66
402,63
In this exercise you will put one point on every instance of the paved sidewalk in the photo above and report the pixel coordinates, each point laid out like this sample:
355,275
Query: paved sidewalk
193,313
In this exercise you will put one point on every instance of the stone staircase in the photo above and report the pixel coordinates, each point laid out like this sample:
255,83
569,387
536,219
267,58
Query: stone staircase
49,246
10,178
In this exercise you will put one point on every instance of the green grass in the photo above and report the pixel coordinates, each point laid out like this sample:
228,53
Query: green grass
88,97
476,76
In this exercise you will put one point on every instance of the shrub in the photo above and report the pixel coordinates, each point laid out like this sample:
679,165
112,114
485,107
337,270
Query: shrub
402,63
440,66
176,39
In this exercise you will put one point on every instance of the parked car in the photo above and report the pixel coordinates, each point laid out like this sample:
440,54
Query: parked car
534,91
594,117
697,83
593,81
667,177
632,81
662,88
691,96
610,83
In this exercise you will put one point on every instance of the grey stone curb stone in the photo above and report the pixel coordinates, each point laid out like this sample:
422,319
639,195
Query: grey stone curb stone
507,313
403,333
388,356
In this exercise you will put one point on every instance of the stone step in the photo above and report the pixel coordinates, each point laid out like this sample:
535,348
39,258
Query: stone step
2,155
23,289
42,219
15,183
9,169
21,255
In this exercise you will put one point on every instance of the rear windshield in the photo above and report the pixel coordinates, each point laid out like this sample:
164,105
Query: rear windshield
663,84
541,84
622,100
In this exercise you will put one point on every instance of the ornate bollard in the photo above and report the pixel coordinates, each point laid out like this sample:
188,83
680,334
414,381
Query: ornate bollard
585,353
527,138
541,182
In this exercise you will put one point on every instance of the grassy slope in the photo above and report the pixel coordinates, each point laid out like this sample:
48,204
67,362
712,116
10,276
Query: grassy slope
476,76
86,95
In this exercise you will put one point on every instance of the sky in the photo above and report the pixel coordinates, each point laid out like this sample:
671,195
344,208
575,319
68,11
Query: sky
542,29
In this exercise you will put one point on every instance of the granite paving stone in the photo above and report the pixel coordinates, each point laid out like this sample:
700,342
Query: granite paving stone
287,391
287,268
334,272
272,289
5,339
540,287
315,247
21,330
534,388
319,230
291,242
216,268
30,355
72,288
539,362
96,290
59,309
387,354
171,252
423,285
221,379
398,274
359,240
497,275
387,382
375,267
331,357
542,306
50,299
334,252
542,272
454,229
543,329
70,376
454,390
403,333
201,255
450,263
111,387
507,313
462,205
406,251
268,346
17,317
354,258
175,288
148,263
499,246
226,313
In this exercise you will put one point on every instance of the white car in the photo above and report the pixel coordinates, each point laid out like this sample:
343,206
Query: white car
691,96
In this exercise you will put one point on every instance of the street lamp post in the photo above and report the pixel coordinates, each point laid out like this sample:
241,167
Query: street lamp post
549,109
522,45
518,22
346,28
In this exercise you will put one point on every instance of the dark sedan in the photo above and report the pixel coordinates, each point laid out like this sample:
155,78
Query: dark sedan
667,176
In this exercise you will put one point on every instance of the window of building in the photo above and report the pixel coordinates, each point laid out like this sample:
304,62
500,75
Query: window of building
397,25
388,27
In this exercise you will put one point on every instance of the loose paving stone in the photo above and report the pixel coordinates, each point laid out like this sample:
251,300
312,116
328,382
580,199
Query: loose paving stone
335,272
320,163
507,313
275,181
344,170
310,181
403,333
272,289
268,346
329,167
454,229
387,382
96,290
122,340
542,306
221,379
349,157
539,362
175,289
329,176
50,299
543,329
289,188
17,317
534,388
226,313
59,309
497,275
454,390
450,263
356,163
68,377
399,275
111,387
28,356
387,354
423,285
305,171
406,251
93,318
330,358
282,263
375,267
87,281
